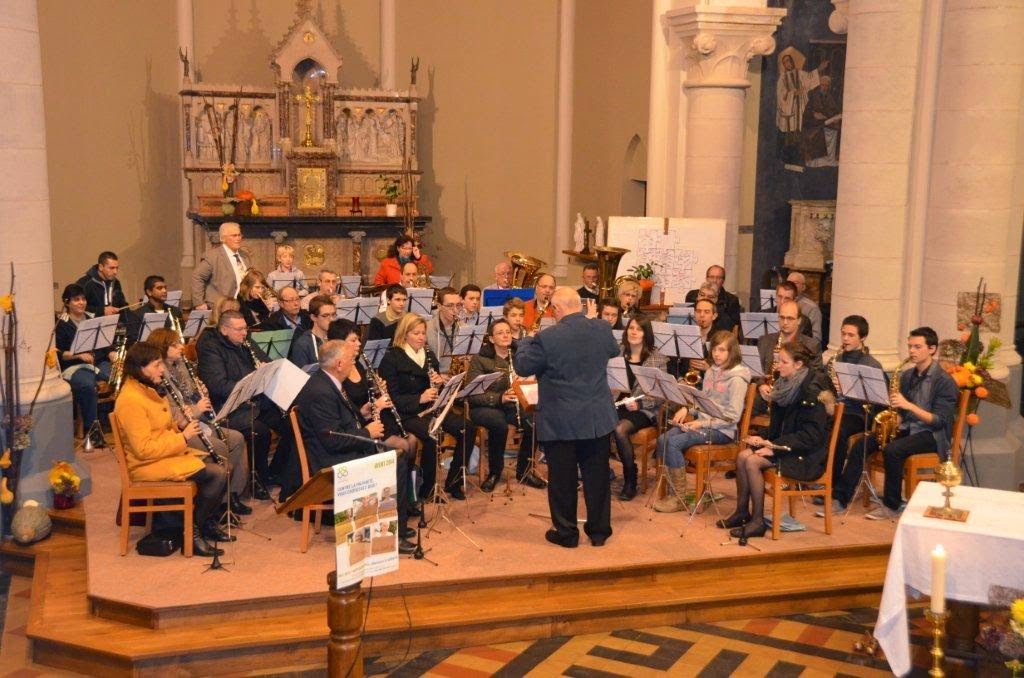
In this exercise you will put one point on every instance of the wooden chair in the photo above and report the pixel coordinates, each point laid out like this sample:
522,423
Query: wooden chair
922,466
721,456
147,492
312,509
189,352
781,486
645,441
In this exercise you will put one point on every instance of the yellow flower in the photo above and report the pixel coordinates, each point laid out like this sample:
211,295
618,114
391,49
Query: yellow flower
255,208
224,185
51,358
7,303
1017,610
62,477
977,379
969,366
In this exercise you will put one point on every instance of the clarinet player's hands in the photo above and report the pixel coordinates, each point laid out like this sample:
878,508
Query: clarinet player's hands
375,429
191,430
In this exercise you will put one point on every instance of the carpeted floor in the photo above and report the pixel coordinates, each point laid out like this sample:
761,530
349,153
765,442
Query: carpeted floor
510,532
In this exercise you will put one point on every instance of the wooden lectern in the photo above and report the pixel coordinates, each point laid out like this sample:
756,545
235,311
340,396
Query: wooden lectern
344,606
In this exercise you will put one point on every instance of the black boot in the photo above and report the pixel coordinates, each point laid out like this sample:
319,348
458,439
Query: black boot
629,473
201,548
238,507
212,532
735,520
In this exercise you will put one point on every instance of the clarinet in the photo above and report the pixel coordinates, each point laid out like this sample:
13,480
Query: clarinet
209,417
256,362
512,377
175,394
378,384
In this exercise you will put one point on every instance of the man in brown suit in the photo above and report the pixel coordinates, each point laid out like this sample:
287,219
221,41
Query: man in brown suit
220,271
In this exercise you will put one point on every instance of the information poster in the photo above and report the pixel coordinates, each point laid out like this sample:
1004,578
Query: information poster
366,517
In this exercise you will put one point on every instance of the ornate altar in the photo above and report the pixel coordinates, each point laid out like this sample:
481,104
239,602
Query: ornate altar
811,242
309,150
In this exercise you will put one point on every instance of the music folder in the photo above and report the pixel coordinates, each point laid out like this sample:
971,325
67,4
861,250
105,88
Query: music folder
862,382
757,324
152,321
196,321
280,381
420,301
94,333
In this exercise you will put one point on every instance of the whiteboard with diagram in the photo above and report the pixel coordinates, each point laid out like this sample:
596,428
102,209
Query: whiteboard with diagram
683,248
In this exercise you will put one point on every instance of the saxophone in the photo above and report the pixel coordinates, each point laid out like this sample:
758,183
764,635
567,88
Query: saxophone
692,376
769,377
887,422
117,367
830,368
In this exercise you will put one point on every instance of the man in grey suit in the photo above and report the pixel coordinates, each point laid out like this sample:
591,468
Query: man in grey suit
220,272
575,415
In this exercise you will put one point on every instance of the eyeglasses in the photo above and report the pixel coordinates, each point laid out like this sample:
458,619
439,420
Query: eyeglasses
451,307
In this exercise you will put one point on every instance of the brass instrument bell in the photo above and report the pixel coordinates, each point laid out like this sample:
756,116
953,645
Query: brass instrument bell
608,259
525,269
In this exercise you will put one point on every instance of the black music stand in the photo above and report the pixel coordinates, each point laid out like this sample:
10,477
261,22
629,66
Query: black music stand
94,333
359,310
374,350
678,341
350,285
756,325
767,299
196,321
867,385
420,301
751,359
153,321
275,343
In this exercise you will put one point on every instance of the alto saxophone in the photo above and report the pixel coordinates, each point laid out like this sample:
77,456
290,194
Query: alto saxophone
117,367
830,368
769,377
887,422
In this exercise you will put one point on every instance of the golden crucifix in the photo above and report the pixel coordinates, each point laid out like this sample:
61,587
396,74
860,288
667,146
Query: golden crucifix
307,97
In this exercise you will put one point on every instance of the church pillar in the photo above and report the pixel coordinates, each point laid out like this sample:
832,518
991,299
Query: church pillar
883,178
717,41
387,44
186,45
974,209
25,241
563,151
664,170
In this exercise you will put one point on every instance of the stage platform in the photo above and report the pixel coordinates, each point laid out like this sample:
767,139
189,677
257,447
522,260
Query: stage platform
97,612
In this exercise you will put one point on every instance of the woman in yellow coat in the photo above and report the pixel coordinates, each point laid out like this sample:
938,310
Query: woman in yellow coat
156,450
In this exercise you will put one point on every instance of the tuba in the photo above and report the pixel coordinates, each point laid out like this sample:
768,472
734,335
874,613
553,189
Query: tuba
525,269
887,422
607,266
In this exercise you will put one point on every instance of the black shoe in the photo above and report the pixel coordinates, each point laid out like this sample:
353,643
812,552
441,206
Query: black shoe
414,512
406,547
260,493
533,481
553,537
201,548
490,482
456,493
238,507
749,530
407,533
598,541
628,490
212,532
729,475
735,520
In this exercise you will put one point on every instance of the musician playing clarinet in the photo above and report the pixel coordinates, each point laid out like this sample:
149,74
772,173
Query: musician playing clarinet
497,407
799,423
638,350
410,370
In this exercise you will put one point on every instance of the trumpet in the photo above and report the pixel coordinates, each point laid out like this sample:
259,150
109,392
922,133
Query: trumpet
175,394
380,386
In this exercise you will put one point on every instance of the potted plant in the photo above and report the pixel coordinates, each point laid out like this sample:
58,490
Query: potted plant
65,483
644,274
390,188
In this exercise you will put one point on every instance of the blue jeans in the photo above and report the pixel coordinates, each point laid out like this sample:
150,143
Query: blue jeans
83,388
674,442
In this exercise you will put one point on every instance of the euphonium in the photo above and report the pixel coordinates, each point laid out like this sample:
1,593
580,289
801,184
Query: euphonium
525,269
887,422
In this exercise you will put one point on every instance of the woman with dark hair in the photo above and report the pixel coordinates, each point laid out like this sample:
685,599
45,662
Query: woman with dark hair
250,298
638,350
410,369
725,383
80,370
798,424
401,252
156,450
192,391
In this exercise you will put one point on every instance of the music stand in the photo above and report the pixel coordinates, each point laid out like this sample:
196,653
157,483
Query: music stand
489,314
617,334
756,325
420,301
868,386
275,343
678,341
152,321
173,298
93,334
618,378
751,359
468,340
350,285
374,350
196,322
439,281
359,310
527,393
768,300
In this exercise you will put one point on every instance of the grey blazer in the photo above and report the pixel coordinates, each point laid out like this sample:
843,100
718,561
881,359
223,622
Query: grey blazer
214,276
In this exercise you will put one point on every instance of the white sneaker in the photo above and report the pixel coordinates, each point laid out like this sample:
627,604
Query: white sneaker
883,512
837,507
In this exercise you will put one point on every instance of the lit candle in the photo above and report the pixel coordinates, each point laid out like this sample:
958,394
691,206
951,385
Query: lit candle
938,604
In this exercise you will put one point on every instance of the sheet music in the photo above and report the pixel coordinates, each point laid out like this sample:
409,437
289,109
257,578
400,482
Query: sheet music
279,380
618,335
657,384
702,402
751,359
196,321
350,285
174,298
469,339
480,384
618,379
420,301
94,333
489,314
862,382
275,343
359,310
678,341
375,349
446,393
756,325
768,299
439,281
152,321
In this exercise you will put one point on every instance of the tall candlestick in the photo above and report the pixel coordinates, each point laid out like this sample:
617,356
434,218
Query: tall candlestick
938,603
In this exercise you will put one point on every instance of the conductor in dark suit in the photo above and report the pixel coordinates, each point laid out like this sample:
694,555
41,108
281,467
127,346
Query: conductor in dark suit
575,415
324,408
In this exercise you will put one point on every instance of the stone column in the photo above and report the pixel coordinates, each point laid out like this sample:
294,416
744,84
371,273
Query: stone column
563,150
387,44
186,44
664,171
717,42
879,220
25,240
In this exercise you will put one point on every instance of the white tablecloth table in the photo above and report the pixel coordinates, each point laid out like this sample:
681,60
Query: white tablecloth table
987,549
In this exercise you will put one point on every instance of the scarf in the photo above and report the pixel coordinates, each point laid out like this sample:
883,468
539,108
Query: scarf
419,357
786,390
392,318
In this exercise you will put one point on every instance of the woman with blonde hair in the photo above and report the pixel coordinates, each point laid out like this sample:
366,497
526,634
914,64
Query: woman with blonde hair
628,295
410,369
250,298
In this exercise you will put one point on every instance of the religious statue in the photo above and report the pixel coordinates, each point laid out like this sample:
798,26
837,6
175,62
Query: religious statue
308,98
578,237
259,142
183,56
600,234
413,69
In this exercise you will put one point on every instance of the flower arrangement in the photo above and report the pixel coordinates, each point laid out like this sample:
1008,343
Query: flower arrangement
976,359
247,196
63,478
644,271
1004,631
389,187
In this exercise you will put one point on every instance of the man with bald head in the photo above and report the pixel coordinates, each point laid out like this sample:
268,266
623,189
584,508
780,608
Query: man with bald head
502,277
540,306
789,329
807,305
291,315
575,414
219,273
